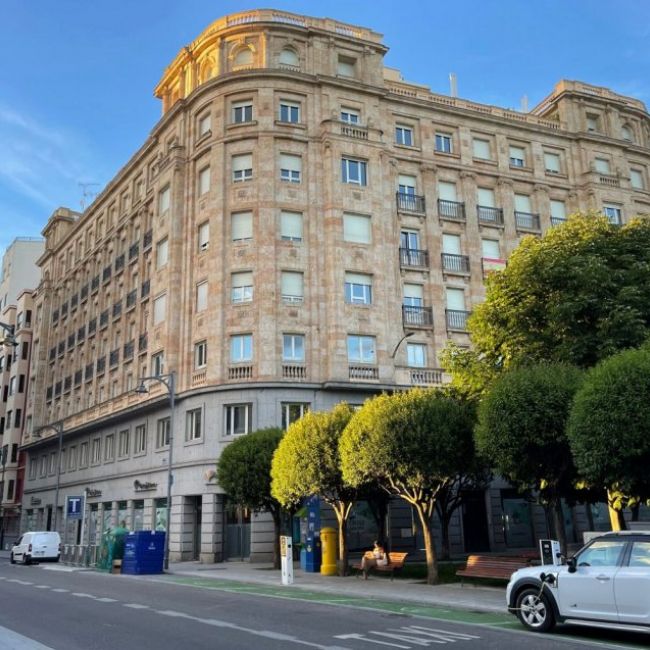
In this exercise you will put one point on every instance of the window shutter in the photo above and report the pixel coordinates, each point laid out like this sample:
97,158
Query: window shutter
291,225
356,228
456,299
481,149
290,162
517,152
447,191
490,248
202,296
292,283
636,179
552,162
204,180
159,308
407,181
242,161
602,165
243,279
486,197
413,291
358,278
451,244
522,203
242,225
204,235
558,209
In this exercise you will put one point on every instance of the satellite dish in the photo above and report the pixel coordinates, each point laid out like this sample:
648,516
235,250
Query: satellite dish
209,474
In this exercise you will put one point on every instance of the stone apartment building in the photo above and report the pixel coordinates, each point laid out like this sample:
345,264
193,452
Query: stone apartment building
20,275
297,210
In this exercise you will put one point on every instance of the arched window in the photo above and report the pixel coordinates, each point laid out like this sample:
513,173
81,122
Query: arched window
627,133
289,57
243,57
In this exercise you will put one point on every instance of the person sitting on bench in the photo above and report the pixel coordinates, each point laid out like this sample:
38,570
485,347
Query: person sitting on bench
379,558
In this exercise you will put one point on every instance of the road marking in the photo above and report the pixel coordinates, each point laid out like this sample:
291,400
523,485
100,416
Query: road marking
106,600
41,586
267,634
61,590
20,582
82,595
136,606
414,635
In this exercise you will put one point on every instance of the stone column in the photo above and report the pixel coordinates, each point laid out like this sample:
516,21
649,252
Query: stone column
148,515
129,514
211,529
176,529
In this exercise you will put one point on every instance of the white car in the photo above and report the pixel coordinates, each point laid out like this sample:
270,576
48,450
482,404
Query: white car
606,584
39,545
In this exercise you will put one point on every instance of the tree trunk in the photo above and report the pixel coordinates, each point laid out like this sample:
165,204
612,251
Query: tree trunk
277,531
432,561
558,524
343,544
445,553
616,517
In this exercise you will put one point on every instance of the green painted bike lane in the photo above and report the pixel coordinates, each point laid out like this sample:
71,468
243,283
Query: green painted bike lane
439,613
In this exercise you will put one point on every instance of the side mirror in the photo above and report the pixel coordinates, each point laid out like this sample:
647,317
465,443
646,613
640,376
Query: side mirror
571,564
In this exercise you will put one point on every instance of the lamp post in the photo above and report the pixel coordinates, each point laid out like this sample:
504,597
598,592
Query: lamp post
392,356
58,427
169,382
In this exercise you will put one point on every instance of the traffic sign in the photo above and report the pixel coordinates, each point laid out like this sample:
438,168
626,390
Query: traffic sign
74,507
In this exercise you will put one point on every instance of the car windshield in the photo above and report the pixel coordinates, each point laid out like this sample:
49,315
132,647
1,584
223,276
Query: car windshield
601,553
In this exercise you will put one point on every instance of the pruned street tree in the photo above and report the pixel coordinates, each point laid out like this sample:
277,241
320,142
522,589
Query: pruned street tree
414,443
307,462
576,295
609,430
244,472
521,430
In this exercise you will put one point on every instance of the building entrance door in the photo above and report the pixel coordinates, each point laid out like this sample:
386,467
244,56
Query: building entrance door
237,533
475,527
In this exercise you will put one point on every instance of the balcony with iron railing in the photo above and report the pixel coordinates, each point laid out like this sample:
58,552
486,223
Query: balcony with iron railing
117,309
145,288
101,365
142,342
94,284
410,203
107,274
417,316
147,239
119,263
134,250
557,221
128,350
489,216
456,319
527,221
90,367
413,258
451,210
103,319
453,263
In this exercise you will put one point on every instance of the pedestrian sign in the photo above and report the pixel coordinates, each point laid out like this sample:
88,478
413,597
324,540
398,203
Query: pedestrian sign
74,507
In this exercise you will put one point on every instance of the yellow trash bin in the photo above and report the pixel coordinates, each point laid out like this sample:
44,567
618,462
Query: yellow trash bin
328,541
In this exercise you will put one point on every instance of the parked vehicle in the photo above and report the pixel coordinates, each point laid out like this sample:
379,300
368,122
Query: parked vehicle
38,546
606,584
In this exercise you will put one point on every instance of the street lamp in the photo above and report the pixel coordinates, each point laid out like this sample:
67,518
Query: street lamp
392,356
58,427
169,381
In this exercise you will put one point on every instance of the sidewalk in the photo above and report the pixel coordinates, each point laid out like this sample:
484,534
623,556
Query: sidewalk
455,596
471,597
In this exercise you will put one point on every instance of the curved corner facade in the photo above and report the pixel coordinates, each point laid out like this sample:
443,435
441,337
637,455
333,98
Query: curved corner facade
296,212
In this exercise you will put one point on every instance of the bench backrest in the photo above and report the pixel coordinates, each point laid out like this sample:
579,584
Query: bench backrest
491,561
397,558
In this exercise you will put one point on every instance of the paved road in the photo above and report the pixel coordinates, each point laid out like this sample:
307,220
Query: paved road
50,607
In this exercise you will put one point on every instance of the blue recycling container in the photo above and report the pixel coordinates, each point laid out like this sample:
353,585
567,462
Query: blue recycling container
144,552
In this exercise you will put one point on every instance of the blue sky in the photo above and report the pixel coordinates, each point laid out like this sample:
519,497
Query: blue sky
77,77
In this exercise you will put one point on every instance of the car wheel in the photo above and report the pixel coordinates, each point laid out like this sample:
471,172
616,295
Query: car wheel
27,559
534,610
11,559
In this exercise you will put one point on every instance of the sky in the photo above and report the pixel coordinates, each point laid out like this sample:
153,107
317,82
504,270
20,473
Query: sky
77,77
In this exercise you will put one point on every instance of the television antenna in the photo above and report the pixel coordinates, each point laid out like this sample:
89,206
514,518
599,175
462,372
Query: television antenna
87,195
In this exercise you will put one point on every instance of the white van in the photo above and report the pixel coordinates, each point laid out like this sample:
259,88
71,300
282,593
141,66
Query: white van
41,545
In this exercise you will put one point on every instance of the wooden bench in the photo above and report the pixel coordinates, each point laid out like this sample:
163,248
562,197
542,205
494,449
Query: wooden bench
395,563
491,566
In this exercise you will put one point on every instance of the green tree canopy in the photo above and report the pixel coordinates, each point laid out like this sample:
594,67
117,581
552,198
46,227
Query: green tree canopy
414,443
576,295
307,462
244,472
521,429
609,427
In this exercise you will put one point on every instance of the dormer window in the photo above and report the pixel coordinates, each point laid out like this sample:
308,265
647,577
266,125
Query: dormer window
346,66
243,58
288,58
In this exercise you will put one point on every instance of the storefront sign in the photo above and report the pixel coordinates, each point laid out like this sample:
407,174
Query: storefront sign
93,494
140,486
